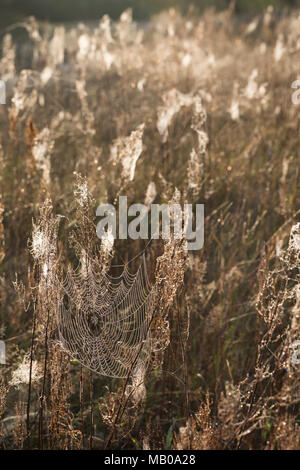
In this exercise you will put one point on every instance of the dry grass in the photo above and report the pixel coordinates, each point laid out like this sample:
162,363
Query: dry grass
203,108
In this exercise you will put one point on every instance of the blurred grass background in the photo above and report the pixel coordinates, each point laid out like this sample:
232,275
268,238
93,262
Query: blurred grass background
80,10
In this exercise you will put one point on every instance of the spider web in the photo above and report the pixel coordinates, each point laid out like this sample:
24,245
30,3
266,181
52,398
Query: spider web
104,321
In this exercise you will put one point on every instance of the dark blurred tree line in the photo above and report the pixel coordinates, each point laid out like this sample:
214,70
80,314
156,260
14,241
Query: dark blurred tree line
68,10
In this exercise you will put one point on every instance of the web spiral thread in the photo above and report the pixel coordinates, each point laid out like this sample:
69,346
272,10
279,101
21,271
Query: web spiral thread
104,321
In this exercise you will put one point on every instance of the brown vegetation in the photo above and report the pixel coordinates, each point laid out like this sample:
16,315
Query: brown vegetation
190,109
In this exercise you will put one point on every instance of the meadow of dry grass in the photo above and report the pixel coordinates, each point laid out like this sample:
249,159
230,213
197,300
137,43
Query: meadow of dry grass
204,103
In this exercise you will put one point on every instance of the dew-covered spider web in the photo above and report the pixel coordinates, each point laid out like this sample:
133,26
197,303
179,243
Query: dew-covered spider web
104,321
